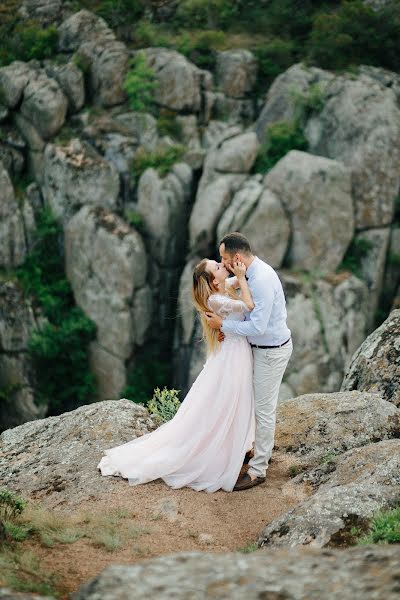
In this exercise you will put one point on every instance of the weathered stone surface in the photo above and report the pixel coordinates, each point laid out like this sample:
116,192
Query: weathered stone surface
327,517
13,79
217,132
371,151
106,264
316,192
7,594
316,425
280,104
71,81
141,126
29,133
17,322
372,268
387,78
13,237
164,206
107,57
328,320
56,457
234,155
375,367
392,272
44,104
258,213
76,175
45,11
108,370
236,72
280,574
178,80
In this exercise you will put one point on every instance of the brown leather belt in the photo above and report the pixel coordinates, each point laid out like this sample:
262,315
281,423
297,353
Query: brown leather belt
280,345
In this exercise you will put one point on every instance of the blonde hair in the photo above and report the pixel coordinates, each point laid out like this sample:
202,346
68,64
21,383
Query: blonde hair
202,289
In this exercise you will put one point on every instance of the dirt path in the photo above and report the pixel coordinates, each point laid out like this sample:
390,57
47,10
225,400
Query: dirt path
174,521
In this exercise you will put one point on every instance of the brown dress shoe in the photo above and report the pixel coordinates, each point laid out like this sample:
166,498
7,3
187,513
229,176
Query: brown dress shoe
246,482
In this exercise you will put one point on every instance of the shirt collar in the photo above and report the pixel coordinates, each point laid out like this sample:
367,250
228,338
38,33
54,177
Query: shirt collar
251,269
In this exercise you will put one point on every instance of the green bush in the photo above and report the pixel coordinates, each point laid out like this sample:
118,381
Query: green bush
59,348
164,404
384,528
207,14
200,47
161,159
121,12
27,41
149,34
11,505
150,370
273,58
354,34
167,124
357,250
140,83
282,137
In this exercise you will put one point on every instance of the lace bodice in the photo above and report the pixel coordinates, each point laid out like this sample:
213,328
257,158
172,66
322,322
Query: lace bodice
227,307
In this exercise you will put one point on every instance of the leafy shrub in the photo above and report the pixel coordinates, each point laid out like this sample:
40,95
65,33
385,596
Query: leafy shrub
282,137
150,370
273,58
357,250
161,159
11,505
308,102
121,12
207,14
28,41
59,349
149,34
201,47
167,124
139,83
354,34
384,528
164,404
135,219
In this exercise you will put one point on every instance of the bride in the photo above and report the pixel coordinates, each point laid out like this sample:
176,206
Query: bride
203,447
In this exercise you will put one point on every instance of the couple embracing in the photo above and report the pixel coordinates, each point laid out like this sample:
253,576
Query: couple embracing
228,416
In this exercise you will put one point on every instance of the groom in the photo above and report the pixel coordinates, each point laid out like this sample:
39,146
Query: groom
269,336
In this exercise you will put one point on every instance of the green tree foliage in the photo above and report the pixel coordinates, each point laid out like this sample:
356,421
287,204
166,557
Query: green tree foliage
282,137
150,370
28,41
59,348
161,159
140,83
121,12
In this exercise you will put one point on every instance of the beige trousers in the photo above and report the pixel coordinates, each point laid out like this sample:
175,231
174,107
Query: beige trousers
269,365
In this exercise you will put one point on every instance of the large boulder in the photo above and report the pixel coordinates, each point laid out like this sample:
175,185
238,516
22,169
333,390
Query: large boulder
106,265
106,57
17,322
258,213
277,574
75,175
71,80
46,12
328,320
179,82
13,80
370,146
236,72
44,104
328,516
375,366
315,426
16,224
316,193
56,457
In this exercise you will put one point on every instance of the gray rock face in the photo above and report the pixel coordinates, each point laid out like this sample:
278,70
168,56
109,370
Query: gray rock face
328,320
375,367
106,264
44,104
13,79
57,457
372,150
16,224
315,426
71,81
236,72
45,11
294,574
316,192
179,82
17,322
76,175
96,44
327,517
258,213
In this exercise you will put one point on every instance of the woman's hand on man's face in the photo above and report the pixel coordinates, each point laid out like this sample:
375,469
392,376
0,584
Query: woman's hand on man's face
239,269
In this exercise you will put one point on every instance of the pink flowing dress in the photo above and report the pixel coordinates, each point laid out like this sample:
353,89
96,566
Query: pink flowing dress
204,445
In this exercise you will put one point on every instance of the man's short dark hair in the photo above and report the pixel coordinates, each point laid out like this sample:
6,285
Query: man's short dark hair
236,242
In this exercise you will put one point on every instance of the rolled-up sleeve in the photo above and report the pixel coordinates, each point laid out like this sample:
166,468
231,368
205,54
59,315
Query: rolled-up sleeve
263,297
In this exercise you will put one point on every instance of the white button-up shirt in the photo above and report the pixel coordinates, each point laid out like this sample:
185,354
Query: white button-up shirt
266,324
